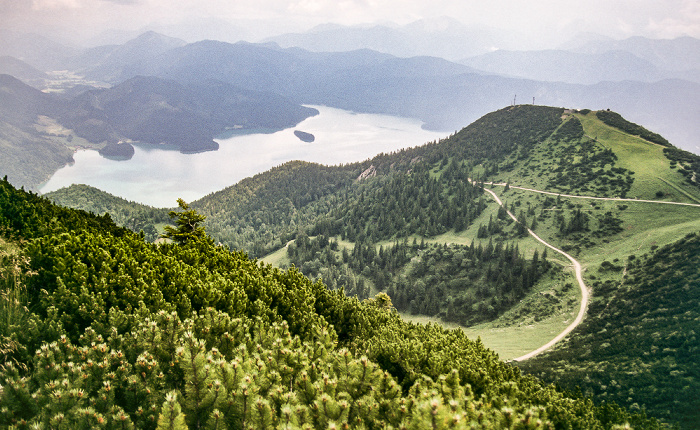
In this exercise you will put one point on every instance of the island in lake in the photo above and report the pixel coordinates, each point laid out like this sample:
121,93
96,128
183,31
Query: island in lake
304,137
118,151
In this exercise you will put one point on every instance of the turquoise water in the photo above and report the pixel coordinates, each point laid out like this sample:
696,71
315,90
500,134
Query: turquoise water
158,177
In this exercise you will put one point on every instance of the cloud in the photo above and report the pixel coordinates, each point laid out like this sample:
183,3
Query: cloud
124,2
43,5
684,20
534,21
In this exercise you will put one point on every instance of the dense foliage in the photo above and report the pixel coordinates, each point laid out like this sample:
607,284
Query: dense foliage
463,284
466,284
688,164
260,214
134,216
120,333
498,134
640,345
402,204
616,120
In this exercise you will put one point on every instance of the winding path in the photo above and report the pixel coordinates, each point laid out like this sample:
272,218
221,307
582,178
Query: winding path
614,199
579,277
577,266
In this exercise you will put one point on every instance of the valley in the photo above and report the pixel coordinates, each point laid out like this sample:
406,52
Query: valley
525,230
370,215
618,201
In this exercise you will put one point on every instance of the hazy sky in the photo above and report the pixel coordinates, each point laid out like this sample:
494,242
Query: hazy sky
539,20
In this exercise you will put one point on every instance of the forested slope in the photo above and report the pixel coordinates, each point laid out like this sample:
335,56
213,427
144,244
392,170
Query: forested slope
639,345
135,216
114,332
412,224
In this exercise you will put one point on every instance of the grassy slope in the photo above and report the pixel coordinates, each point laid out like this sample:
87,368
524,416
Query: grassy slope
529,324
646,159
646,225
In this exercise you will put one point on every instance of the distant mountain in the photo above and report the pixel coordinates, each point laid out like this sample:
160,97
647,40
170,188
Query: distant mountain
27,156
440,37
23,71
111,63
38,51
194,28
154,110
37,128
21,104
444,95
680,54
570,67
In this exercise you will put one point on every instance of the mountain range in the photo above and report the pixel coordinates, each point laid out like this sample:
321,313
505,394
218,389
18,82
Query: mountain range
439,37
481,230
650,82
41,130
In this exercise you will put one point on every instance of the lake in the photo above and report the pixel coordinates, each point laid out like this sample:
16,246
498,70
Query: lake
157,177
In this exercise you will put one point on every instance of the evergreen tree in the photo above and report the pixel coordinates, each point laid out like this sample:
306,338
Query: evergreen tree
188,222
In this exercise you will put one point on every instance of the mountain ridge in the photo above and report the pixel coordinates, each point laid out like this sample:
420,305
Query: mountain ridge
146,109
353,235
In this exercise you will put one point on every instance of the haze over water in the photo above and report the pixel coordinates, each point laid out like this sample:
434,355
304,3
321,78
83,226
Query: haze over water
158,177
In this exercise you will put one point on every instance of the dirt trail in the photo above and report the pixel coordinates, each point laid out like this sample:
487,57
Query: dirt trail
579,277
577,266
614,199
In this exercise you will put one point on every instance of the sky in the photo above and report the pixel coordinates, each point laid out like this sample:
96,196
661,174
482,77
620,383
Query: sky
541,23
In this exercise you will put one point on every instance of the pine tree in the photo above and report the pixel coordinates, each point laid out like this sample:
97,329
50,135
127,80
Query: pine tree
188,225
171,417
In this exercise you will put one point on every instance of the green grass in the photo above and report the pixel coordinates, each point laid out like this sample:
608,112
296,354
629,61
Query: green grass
645,225
514,341
528,325
278,258
651,167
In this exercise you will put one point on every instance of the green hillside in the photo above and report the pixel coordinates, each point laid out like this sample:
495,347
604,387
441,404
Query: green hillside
136,217
414,225
110,331
639,345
